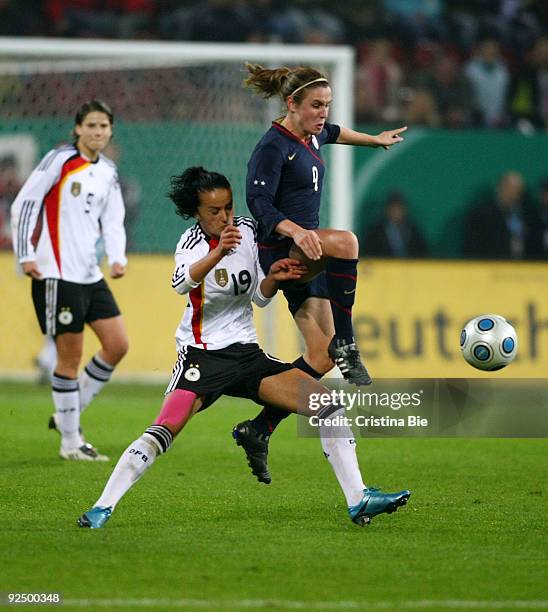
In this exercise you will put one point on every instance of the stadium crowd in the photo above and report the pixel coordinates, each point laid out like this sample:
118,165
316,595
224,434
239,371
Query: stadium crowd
449,63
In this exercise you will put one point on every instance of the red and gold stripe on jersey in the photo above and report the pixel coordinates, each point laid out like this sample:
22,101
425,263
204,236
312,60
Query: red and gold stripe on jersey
52,202
197,299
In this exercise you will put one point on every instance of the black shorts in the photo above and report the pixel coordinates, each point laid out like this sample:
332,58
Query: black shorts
63,307
236,370
295,293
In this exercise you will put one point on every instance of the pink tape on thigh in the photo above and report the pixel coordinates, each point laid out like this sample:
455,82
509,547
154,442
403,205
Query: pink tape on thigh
176,409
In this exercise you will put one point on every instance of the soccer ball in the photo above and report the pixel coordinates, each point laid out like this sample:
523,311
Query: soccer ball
488,342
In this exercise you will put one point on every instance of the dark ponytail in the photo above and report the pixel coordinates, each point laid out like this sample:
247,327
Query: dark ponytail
283,81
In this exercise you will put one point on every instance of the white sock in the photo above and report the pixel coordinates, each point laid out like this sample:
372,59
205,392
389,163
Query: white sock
133,463
66,400
339,446
95,376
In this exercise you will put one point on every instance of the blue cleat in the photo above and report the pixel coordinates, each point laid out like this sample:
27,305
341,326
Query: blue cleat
376,502
95,518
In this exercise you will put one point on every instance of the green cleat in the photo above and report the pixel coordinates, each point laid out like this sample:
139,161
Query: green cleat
376,502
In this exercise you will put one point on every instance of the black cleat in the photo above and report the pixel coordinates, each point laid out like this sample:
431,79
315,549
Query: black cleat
256,448
347,358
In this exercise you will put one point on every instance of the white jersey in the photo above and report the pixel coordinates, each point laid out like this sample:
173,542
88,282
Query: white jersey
219,310
62,210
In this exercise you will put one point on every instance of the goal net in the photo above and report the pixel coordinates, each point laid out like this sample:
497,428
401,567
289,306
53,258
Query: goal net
175,105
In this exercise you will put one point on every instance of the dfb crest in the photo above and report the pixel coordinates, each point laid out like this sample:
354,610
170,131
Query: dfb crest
221,277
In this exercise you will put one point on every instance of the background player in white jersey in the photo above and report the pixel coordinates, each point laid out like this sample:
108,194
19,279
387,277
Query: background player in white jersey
217,265
70,200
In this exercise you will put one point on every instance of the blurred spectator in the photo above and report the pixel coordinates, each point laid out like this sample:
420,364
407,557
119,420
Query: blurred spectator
528,100
489,78
378,80
100,18
422,109
504,226
20,18
451,92
514,23
416,19
221,21
308,22
363,20
410,52
395,235
9,188
543,218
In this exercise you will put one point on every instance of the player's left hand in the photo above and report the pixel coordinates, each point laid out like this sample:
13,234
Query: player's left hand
390,137
117,270
287,269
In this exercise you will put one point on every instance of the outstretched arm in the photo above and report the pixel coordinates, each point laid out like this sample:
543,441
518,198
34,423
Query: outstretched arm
384,139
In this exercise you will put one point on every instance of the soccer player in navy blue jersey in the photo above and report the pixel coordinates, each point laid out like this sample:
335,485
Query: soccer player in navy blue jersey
216,265
283,190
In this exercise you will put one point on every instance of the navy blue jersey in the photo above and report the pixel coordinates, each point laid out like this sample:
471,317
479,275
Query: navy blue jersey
284,179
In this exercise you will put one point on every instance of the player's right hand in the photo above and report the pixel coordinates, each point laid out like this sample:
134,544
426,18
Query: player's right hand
309,242
229,239
30,268
287,269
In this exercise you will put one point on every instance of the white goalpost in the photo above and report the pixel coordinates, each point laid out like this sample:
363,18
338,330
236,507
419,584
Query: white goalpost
32,56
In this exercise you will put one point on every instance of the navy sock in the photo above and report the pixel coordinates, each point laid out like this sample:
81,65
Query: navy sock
270,417
342,275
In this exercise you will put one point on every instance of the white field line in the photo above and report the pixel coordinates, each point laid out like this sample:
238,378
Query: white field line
307,605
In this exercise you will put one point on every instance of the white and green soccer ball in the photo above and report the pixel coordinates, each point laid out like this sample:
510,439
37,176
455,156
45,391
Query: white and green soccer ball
488,342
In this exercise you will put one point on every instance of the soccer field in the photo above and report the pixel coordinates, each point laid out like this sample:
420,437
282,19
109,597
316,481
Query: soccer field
199,532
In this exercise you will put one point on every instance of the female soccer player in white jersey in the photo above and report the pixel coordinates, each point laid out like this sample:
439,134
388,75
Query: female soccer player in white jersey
283,190
216,264
70,200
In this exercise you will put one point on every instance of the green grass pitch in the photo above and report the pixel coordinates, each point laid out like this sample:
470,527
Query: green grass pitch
199,532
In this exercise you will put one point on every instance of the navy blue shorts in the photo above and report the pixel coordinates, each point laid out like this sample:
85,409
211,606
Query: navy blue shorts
295,293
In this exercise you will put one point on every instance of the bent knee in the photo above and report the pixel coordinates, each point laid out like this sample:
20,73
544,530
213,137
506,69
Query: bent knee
351,244
343,244
122,349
